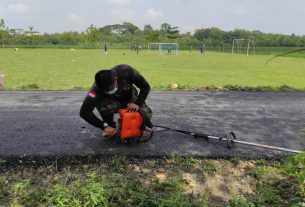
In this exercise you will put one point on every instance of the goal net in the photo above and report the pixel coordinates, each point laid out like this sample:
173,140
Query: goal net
243,46
164,48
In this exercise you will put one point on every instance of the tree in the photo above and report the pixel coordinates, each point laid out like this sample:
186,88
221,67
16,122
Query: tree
147,28
173,33
150,34
127,33
129,28
186,41
3,31
199,34
68,38
153,36
214,34
120,29
165,27
107,30
92,34
168,31
113,29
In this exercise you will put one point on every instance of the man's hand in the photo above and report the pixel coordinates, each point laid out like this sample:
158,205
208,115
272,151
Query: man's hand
131,107
110,131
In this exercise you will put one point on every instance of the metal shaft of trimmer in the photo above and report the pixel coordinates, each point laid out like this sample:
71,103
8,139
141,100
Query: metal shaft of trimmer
267,146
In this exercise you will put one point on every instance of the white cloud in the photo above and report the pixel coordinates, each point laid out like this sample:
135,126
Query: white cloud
77,22
120,2
75,18
123,14
152,14
20,8
240,11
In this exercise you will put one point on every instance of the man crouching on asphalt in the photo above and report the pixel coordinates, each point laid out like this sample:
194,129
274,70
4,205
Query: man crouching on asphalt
115,89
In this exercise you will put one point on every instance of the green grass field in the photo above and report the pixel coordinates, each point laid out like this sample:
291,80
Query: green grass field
63,69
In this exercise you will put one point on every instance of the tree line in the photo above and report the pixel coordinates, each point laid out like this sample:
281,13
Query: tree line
125,34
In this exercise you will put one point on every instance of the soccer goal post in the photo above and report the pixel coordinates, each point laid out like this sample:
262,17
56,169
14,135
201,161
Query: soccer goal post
243,46
164,48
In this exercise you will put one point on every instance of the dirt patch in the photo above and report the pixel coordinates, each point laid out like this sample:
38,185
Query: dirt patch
225,182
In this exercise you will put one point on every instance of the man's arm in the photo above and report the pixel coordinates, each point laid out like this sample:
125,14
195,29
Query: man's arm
139,81
86,112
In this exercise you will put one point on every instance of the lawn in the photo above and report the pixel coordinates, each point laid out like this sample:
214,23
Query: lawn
64,69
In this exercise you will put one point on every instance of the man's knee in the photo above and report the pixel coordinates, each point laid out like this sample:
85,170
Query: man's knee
108,106
146,111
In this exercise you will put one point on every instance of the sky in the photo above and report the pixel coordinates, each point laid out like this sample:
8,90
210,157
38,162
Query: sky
51,16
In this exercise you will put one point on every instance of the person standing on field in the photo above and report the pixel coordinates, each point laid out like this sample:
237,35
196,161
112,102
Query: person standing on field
169,50
105,50
202,49
1,81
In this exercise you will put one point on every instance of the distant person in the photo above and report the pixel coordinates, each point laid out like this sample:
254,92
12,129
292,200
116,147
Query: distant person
190,48
105,50
202,49
169,50
112,90
137,48
1,81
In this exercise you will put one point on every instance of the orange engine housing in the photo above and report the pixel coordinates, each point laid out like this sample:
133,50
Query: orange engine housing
130,124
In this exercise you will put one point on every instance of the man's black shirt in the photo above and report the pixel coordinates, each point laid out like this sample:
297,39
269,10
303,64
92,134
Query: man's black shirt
127,78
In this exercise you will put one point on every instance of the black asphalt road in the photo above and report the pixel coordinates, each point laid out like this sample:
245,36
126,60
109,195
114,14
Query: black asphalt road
47,123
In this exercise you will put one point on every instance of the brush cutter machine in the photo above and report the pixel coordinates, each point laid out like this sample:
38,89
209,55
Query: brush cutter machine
133,129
